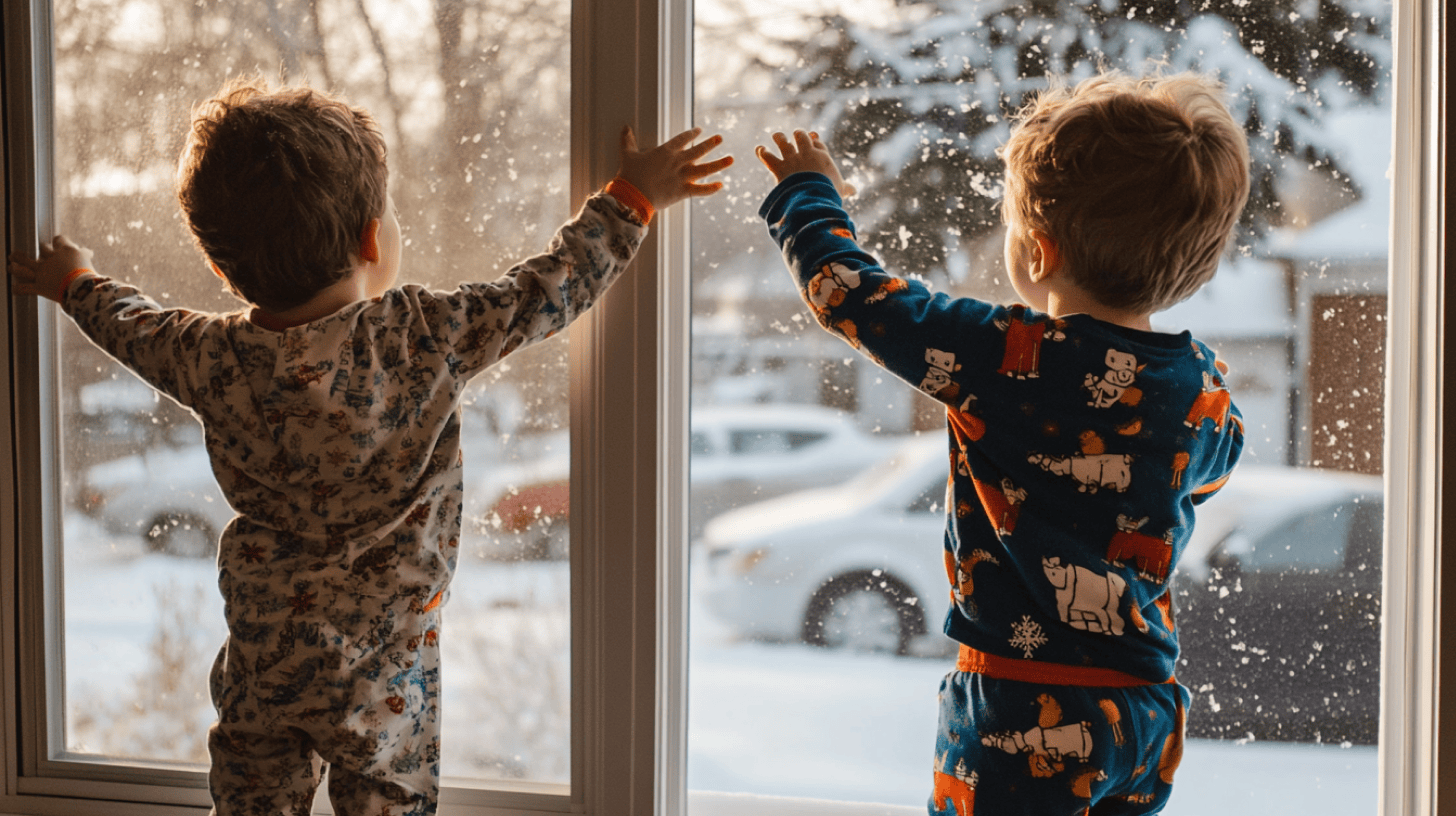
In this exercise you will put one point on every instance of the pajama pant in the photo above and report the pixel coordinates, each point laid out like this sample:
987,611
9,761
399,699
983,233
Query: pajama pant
1007,747
326,678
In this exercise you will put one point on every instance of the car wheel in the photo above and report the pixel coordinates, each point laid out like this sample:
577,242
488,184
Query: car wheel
181,534
864,612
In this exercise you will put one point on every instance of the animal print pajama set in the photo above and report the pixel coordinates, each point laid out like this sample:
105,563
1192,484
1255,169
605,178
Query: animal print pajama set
1078,451
338,443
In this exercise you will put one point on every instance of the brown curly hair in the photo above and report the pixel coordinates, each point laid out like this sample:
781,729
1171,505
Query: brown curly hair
1139,181
278,186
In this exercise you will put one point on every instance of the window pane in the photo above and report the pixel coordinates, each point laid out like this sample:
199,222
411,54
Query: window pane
815,639
472,99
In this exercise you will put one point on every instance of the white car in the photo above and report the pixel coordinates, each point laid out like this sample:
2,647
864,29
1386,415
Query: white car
860,565
737,455
857,565
166,495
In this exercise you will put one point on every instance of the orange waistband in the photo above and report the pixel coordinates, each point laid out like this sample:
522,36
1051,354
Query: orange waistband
1051,674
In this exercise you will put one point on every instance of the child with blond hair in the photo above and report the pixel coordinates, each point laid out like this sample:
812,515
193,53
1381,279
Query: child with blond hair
1080,440
330,407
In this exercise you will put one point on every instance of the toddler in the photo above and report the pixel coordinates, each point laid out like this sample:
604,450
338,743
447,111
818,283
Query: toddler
1080,440
331,414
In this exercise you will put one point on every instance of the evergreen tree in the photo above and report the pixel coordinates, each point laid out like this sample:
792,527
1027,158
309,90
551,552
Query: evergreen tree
920,104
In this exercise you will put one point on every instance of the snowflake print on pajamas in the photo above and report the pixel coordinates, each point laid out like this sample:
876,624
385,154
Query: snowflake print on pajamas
1027,636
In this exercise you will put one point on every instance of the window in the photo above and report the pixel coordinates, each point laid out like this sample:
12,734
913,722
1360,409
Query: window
477,153
629,415
913,98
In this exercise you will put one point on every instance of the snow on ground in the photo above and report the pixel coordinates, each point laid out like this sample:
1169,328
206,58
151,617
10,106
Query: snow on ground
765,720
796,721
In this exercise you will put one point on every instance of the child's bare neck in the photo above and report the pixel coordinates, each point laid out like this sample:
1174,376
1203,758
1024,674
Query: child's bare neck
1061,304
325,302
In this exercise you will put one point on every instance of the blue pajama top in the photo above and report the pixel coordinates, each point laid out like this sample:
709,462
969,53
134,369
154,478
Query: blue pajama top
1078,452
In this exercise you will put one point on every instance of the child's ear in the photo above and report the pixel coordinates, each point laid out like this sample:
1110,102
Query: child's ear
369,242
1046,257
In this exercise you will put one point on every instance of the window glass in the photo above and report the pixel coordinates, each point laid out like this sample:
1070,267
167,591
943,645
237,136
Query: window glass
1316,540
914,98
472,99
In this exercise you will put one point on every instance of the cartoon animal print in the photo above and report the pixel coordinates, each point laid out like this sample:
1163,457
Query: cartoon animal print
1050,713
1153,555
1022,358
828,288
1048,747
1002,504
965,423
1139,622
306,418
889,287
1114,719
1115,384
961,573
1173,746
1082,782
958,789
301,377
1212,403
937,382
1164,603
1109,470
1180,466
1086,600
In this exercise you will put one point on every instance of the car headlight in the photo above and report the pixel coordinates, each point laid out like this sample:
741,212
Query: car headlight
723,559
747,560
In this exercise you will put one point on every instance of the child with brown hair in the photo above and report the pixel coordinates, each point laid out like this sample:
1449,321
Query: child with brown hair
1080,440
331,414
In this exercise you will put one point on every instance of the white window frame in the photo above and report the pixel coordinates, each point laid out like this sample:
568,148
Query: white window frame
632,62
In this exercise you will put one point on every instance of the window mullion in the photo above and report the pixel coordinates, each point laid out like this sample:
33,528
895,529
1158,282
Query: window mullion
618,365
1411,592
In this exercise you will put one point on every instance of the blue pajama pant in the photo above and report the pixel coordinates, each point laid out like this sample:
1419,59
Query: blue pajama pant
1007,747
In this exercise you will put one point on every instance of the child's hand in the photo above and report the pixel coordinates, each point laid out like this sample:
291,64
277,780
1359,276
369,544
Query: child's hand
804,154
45,275
668,173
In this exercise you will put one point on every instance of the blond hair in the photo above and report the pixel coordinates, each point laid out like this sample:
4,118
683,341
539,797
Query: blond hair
1139,181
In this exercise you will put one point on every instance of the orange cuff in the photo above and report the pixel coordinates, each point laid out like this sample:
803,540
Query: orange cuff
624,191
68,280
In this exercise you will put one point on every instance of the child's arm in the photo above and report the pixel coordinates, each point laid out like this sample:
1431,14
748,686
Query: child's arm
145,337
483,322
49,274
924,338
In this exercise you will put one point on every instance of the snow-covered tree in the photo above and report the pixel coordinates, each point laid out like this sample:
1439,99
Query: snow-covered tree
918,103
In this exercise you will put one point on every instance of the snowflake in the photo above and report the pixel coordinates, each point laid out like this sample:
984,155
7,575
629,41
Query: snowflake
1027,636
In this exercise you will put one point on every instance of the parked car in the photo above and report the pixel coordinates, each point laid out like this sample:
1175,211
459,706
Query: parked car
737,455
166,495
1278,608
854,566
1277,595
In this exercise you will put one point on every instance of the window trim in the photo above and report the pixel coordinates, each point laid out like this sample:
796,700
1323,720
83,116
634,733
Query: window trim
1415,413
615,569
